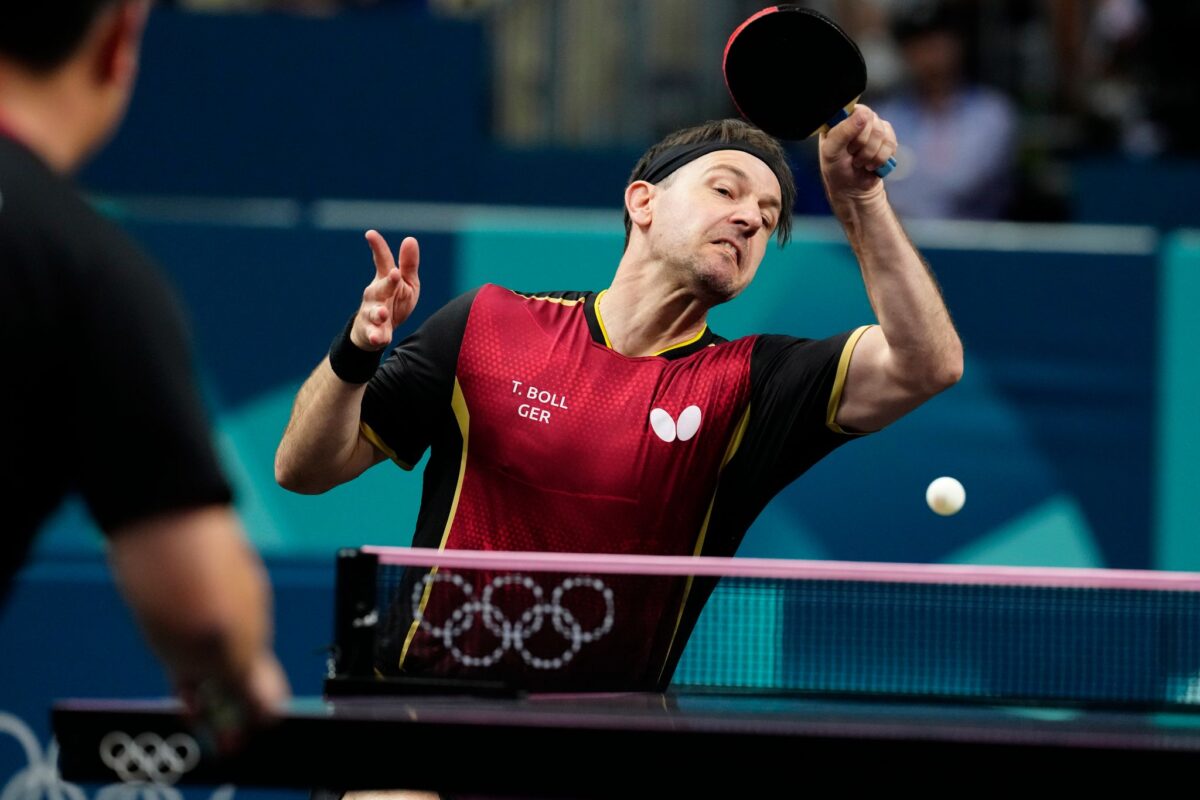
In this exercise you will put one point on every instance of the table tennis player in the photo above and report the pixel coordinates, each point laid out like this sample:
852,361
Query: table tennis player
100,398
616,421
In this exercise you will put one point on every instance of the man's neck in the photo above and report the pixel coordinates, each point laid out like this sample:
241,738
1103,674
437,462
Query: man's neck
44,121
644,313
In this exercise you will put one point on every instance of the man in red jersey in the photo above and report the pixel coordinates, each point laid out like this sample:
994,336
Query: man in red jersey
617,421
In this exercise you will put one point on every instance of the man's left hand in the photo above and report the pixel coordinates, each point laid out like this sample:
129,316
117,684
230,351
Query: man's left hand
850,153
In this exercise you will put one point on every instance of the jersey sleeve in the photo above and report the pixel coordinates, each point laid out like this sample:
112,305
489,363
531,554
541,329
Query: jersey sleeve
137,429
796,387
414,386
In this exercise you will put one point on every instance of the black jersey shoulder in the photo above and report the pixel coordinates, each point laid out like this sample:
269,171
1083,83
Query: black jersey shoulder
123,423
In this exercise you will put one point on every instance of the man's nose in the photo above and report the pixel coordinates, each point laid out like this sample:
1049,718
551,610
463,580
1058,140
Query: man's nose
748,217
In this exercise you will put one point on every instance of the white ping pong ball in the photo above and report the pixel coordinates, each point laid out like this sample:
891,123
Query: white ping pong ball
945,496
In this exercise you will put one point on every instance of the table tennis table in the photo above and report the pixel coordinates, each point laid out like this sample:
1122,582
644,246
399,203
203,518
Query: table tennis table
859,674
636,744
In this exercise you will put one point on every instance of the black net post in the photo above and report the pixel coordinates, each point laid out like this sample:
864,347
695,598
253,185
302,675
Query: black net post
355,613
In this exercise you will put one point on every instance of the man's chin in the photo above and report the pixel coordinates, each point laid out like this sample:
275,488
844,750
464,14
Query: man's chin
713,282
716,289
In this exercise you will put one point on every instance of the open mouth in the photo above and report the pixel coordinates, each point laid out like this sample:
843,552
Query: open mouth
731,249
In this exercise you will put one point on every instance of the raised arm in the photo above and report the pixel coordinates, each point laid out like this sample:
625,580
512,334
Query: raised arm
915,352
322,446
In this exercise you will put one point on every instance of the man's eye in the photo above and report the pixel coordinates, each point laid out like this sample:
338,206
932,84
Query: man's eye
721,190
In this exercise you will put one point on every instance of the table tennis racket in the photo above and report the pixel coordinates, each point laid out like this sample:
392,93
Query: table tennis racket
793,72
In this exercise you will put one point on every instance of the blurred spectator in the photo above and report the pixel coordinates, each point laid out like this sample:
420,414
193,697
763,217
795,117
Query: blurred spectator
310,7
1174,62
1100,46
1129,73
957,138
868,23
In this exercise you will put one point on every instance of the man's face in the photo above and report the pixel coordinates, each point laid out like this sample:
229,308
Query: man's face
712,220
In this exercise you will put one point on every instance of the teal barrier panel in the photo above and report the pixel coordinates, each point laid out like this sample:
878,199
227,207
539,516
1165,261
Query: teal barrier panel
1178,521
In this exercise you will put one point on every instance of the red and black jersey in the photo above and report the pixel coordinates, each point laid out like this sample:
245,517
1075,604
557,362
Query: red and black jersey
544,438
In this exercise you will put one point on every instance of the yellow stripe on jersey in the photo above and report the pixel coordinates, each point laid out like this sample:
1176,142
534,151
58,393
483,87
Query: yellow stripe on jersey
373,437
563,300
839,382
608,341
459,405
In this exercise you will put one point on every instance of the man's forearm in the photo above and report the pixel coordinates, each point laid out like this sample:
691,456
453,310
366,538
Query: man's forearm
199,592
202,598
321,447
904,294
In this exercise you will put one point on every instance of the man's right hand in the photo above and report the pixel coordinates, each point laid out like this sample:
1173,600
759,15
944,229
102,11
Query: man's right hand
226,709
389,300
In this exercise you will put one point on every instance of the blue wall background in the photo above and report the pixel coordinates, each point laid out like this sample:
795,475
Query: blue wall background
1073,429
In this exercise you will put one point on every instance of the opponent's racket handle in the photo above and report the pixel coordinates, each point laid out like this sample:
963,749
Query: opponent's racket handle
884,170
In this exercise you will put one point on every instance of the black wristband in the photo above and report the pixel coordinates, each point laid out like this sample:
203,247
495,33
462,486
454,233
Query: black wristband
350,362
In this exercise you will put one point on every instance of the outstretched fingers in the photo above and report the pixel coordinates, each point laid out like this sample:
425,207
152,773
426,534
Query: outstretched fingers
410,260
384,263
374,328
390,297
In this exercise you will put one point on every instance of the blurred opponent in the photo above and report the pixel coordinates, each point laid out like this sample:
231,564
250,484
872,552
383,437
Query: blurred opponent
100,398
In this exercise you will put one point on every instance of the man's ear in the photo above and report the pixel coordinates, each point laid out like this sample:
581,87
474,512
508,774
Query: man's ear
638,201
119,41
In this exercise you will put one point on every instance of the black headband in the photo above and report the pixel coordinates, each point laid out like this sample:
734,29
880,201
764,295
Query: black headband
675,157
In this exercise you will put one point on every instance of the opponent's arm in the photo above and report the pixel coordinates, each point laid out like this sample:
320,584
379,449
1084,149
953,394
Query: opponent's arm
915,351
322,446
201,596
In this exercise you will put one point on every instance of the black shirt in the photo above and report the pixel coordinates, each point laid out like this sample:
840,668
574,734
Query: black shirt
98,393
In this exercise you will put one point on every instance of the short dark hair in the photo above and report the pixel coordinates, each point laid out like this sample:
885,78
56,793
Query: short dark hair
925,19
733,131
42,36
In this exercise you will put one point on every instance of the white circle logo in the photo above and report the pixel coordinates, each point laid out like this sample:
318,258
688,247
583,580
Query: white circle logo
513,634
148,757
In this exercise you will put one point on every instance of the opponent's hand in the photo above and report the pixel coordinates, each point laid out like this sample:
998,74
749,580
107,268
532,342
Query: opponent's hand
852,150
390,298
224,710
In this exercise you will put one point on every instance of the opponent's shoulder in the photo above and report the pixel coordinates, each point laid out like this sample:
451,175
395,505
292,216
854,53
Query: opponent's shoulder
59,256
46,225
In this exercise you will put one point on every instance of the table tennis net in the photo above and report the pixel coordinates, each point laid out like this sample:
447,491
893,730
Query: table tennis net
549,622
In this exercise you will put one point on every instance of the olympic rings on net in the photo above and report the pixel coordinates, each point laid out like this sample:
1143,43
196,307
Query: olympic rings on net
513,634
148,757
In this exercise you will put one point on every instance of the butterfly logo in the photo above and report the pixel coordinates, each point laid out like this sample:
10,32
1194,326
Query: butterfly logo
669,429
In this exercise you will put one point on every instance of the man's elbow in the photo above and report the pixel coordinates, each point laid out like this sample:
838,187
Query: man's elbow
946,372
292,476
928,375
